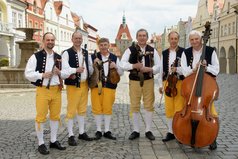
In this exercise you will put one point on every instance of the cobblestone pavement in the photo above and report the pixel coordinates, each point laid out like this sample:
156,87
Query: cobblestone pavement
18,138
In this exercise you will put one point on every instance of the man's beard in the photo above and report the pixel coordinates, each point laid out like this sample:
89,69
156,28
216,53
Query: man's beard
50,46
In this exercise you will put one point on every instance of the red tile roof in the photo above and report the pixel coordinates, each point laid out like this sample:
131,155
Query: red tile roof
123,30
58,7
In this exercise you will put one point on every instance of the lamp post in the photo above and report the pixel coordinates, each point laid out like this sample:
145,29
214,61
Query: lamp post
235,6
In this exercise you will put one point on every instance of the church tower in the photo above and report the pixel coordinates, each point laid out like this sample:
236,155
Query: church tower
123,39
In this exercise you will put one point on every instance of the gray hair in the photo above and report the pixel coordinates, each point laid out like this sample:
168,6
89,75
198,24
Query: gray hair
175,32
140,30
195,32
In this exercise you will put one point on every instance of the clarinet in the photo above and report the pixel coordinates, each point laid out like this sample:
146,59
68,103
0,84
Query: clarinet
48,85
78,76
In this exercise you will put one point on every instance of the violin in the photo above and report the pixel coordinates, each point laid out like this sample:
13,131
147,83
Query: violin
172,79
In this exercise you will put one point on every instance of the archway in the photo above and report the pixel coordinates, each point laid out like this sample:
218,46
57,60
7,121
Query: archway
222,60
231,60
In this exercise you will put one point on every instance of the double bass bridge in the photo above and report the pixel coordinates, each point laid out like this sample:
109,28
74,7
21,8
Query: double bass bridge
200,112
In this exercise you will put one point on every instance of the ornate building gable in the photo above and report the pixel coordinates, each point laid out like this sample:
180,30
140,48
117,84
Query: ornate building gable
202,15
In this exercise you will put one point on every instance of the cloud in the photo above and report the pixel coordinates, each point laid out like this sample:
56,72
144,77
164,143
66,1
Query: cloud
153,15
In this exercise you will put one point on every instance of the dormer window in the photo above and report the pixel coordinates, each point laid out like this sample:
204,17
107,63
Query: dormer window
35,9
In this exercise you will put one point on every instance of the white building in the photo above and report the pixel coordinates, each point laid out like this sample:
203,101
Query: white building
12,16
58,20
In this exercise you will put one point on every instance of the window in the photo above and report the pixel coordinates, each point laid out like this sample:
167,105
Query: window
36,25
225,30
14,19
233,27
41,27
51,13
1,14
67,19
222,31
30,24
35,10
20,20
229,28
61,35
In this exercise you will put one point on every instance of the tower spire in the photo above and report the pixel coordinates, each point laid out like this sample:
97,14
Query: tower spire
124,19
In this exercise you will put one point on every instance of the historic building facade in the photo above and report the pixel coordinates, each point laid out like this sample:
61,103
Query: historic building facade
12,16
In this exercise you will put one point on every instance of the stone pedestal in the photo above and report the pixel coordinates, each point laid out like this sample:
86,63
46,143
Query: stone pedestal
28,46
27,49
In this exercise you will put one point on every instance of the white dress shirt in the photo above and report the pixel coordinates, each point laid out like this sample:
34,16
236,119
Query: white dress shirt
33,75
106,65
67,70
213,68
172,57
157,68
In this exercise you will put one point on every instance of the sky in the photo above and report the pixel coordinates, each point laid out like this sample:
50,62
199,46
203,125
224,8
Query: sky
152,15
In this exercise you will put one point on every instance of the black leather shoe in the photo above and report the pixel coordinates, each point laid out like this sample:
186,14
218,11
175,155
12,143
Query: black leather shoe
150,135
72,141
43,149
57,145
213,146
134,135
98,135
85,137
109,135
168,137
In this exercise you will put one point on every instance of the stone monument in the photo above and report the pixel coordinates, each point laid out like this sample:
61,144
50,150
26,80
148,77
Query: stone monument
14,77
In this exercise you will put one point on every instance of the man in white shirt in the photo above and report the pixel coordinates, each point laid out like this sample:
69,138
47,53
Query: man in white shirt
143,62
190,62
103,95
43,70
76,69
172,76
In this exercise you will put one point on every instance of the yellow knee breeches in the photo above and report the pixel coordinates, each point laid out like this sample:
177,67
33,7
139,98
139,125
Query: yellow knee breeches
48,99
136,92
77,100
102,104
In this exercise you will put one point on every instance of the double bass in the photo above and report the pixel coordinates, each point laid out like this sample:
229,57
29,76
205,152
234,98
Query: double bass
194,125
